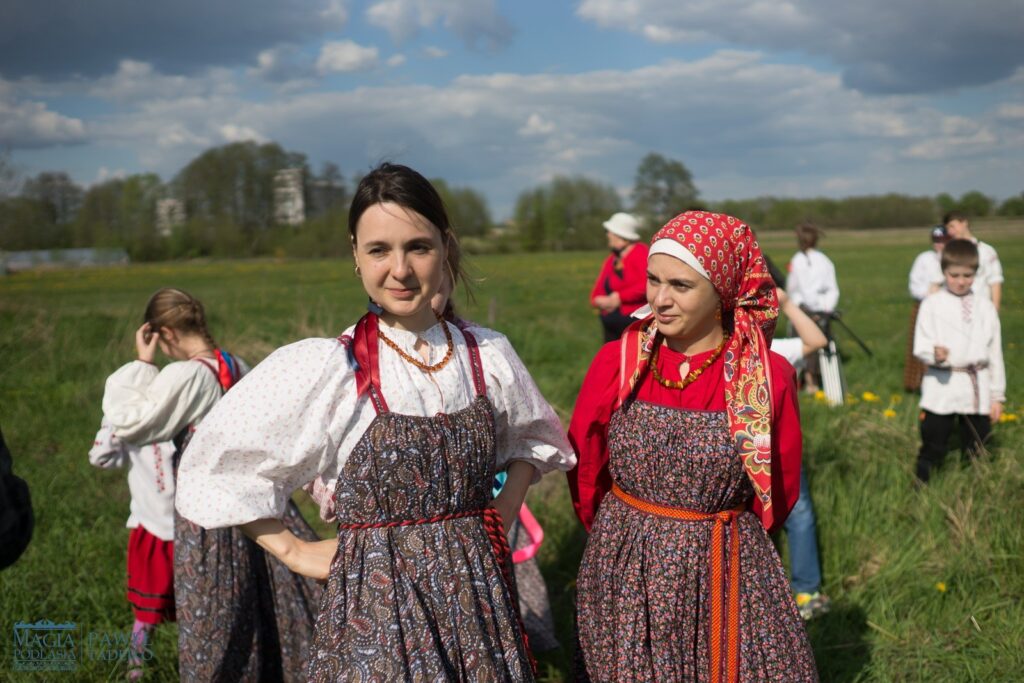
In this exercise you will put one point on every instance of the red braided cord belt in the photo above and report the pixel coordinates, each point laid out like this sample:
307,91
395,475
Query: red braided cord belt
720,585
495,529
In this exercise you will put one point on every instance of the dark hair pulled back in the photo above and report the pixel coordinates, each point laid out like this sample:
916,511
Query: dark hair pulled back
408,189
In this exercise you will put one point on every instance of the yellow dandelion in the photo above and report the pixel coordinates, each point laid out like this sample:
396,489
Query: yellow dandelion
889,412
1008,417
896,399
819,395
870,397
941,586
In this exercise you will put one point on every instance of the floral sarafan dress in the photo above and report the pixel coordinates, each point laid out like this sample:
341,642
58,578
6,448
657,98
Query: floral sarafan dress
679,580
421,586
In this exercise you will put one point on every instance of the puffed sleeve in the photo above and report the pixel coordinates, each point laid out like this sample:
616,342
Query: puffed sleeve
787,443
588,433
634,276
145,405
273,432
527,426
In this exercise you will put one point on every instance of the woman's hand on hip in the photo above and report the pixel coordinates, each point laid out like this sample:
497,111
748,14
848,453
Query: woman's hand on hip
312,558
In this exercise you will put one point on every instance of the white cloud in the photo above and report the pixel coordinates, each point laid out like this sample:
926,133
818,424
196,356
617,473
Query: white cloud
433,52
346,56
396,60
536,125
28,124
284,65
476,22
335,13
104,174
744,126
136,81
58,39
232,133
881,46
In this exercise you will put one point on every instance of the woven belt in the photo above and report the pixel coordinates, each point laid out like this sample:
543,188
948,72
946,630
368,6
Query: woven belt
720,585
972,373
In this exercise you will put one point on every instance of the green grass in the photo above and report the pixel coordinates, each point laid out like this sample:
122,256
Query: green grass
885,547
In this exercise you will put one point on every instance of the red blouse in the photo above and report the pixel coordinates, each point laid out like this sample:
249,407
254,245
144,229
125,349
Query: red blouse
632,285
588,431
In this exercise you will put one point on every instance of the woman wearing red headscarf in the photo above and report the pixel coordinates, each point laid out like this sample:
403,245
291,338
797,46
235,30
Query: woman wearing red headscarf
688,436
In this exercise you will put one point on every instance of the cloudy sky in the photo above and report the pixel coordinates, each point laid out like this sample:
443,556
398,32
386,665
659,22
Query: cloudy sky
784,97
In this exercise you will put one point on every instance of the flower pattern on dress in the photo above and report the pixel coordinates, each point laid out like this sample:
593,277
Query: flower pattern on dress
644,585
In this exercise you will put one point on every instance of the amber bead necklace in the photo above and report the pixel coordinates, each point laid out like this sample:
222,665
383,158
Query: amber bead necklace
692,375
416,361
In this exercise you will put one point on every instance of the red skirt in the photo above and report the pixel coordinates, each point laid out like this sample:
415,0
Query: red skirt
150,577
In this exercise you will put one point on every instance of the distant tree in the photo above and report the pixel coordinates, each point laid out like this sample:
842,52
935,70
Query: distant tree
122,213
467,209
58,190
1014,206
565,214
9,180
327,191
29,224
945,202
529,219
975,204
662,189
235,184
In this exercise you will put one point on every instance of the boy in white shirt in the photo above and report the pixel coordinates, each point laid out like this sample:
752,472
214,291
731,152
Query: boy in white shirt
957,337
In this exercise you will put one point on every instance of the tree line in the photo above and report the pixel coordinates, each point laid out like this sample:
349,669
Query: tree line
227,195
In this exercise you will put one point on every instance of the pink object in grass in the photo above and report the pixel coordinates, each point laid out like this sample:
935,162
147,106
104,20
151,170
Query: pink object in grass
534,531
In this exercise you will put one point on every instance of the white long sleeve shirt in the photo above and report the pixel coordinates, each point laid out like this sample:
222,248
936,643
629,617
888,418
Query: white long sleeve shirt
297,417
145,404
150,478
812,281
990,270
144,408
925,273
969,327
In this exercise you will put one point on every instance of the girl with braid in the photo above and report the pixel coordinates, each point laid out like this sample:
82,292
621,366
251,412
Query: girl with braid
242,616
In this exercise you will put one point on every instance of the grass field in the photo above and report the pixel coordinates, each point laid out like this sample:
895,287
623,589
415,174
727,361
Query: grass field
926,586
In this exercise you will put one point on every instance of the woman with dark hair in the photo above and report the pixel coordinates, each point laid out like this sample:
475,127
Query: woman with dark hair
688,437
408,418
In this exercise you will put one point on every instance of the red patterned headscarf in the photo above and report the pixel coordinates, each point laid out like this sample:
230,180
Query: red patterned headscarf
723,250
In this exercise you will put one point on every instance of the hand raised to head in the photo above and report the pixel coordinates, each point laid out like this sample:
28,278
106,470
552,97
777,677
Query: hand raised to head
146,340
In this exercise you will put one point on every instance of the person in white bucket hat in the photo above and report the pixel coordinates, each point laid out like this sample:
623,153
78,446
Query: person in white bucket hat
621,287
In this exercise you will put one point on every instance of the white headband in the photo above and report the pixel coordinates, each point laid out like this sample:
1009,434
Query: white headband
673,248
